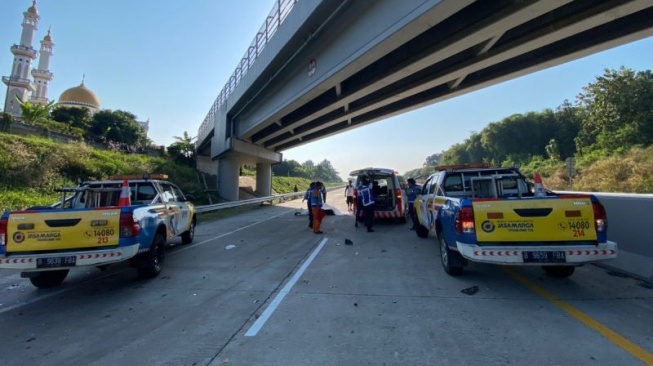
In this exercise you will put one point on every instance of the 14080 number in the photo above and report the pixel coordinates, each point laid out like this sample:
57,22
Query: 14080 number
104,232
578,228
579,225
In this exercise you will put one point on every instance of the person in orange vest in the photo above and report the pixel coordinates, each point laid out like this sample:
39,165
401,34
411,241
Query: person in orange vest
317,200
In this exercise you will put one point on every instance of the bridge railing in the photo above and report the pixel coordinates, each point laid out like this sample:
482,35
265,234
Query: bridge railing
279,12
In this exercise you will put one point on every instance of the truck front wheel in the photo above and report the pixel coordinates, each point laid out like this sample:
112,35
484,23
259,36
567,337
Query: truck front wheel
48,279
559,271
446,256
151,262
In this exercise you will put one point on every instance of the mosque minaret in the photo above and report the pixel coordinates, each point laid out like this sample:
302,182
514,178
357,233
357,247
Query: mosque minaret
42,76
18,83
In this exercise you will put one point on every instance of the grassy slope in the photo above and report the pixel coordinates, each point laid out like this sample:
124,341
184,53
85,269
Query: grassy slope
31,168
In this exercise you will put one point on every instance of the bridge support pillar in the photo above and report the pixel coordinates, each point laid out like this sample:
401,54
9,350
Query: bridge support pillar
228,183
264,179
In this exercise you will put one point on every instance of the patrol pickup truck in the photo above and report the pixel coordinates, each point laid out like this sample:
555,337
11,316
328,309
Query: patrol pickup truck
495,215
96,224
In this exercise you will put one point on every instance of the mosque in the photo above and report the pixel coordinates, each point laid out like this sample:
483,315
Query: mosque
35,90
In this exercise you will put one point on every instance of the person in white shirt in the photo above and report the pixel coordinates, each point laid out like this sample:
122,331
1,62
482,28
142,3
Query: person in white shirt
349,194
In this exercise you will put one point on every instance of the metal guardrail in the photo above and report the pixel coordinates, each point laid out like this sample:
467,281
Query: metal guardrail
279,12
232,204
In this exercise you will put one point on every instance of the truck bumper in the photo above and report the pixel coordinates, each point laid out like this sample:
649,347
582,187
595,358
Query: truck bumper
578,254
27,262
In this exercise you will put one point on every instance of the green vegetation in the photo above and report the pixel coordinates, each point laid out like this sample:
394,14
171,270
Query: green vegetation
608,131
323,171
283,185
33,167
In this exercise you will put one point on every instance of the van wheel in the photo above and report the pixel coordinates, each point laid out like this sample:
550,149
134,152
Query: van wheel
151,262
188,236
48,279
559,271
422,232
446,257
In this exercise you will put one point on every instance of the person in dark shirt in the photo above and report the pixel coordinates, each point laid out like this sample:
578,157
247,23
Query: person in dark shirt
307,198
366,194
412,191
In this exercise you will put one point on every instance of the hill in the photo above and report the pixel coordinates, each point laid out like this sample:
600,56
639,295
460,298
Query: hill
33,167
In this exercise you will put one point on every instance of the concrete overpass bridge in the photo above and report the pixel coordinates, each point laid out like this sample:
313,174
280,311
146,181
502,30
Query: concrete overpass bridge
321,67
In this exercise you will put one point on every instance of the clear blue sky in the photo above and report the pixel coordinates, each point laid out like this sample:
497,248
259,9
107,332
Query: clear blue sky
168,60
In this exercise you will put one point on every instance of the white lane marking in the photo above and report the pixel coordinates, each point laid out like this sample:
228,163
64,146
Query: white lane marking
260,322
228,233
64,290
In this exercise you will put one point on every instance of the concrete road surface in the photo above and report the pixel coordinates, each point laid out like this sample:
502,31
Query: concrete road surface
261,289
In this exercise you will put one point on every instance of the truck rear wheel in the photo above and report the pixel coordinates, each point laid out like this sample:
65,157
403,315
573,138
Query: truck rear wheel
422,232
48,279
559,271
446,256
151,262
188,236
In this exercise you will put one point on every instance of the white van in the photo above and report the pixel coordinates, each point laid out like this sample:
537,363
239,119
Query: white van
389,188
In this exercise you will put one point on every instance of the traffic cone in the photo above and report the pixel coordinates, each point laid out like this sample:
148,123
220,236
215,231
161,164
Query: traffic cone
125,195
539,188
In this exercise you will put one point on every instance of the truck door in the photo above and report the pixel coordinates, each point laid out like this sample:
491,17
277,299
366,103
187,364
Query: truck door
172,209
184,219
422,202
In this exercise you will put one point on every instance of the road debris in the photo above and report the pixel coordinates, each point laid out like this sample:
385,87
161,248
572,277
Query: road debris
470,290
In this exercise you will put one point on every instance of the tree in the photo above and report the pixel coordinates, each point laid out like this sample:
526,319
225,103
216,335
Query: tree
34,113
552,150
183,150
568,123
434,159
75,117
118,126
325,172
287,168
618,112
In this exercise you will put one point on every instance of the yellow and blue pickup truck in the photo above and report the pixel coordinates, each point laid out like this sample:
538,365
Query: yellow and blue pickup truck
97,223
495,215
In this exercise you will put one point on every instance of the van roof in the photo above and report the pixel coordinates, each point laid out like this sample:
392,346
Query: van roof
373,171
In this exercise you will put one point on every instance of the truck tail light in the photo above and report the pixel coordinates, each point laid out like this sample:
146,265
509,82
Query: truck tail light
129,227
465,220
3,232
600,217
399,202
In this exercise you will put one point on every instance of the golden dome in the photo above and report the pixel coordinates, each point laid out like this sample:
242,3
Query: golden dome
80,96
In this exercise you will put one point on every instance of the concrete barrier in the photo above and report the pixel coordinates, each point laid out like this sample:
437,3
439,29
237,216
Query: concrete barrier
629,224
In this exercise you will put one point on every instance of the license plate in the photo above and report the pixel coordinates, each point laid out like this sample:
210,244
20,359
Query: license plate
53,262
557,256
